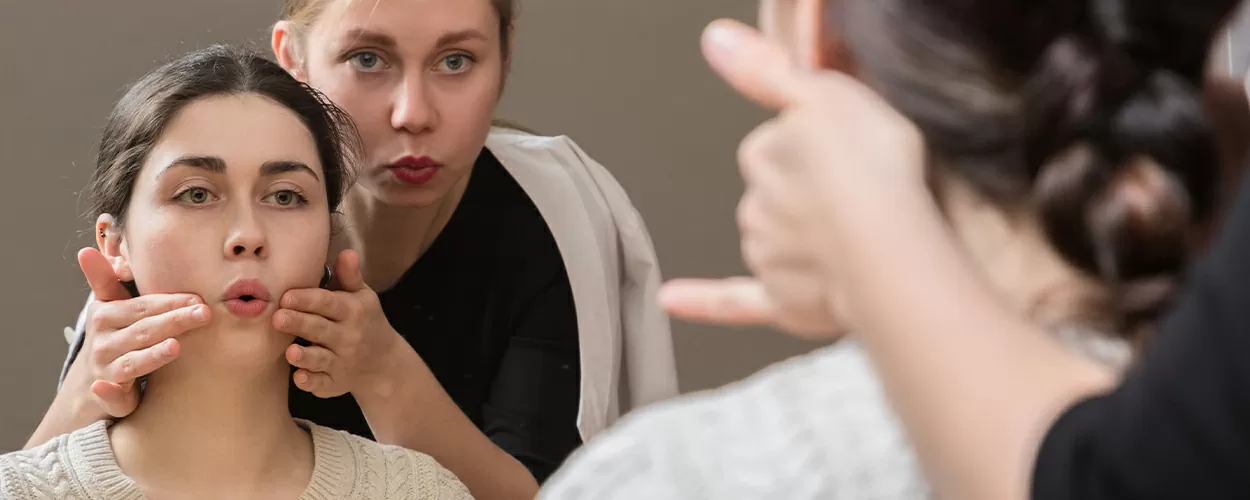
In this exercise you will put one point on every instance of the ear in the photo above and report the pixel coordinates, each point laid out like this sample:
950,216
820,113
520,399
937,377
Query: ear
109,239
286,50
820,42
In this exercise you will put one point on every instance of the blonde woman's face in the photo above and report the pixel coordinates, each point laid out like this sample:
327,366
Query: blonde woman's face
420,78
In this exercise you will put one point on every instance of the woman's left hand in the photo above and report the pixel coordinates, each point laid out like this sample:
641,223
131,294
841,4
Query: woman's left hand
352,340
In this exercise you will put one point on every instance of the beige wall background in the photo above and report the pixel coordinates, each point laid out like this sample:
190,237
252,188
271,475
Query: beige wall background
623,78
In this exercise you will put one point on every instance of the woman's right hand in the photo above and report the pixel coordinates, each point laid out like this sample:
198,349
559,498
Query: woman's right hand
834,166
126,338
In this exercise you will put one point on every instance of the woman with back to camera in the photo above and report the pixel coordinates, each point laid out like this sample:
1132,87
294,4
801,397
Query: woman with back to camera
218,176
990,99
1016,417
514,312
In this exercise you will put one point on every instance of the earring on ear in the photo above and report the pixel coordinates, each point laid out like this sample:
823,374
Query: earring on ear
326,277
102,233
130,287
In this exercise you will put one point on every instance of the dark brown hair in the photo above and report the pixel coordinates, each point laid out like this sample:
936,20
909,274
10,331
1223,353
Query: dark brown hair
302,13
1088,113
141,116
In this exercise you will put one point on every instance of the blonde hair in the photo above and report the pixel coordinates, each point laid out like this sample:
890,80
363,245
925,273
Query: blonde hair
303,13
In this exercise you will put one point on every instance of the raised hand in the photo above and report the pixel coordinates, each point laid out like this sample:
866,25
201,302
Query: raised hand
351,338
127,338
830,163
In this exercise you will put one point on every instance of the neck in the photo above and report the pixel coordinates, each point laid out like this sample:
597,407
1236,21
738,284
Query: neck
200,424
1016,258
391,238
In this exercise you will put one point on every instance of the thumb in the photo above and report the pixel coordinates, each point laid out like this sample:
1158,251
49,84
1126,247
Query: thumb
100,275
758,68
117,400
730,301
347,271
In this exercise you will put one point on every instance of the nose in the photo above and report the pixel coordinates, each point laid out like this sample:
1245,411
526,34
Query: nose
247,238
412,108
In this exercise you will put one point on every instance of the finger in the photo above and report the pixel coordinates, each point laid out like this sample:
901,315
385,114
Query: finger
347,269
324,303
310,327
120,314
117,400
135,364
319,384
731,301
758,68
312,358
101,276
151,331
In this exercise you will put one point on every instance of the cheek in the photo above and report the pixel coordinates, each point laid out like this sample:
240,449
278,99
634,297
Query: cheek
169,256
465,111
299,247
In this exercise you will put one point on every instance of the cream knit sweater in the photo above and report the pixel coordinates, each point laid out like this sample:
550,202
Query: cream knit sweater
81,465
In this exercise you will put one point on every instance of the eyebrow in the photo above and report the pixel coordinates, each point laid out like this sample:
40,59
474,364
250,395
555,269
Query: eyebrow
216,165
360,35
460,36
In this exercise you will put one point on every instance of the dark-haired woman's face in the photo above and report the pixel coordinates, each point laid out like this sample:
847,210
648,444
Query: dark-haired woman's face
233,190
420,78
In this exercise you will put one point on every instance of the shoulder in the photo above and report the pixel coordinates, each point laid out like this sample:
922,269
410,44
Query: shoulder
392,471
813,426
46,471
530,157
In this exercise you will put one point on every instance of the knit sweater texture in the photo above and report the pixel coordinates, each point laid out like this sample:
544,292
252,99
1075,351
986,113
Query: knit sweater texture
81,465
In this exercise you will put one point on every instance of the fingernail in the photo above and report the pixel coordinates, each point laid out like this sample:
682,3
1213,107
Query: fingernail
165,347
198,313
193,301
299,353
722,37
301,378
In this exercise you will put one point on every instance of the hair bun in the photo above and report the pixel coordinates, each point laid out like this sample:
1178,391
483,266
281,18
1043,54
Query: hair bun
1121,154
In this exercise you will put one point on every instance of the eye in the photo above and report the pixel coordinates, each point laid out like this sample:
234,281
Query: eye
456,63
195,196
287,198
366,61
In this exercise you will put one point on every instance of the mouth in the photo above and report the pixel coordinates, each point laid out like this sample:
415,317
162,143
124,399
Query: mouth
247,298
413,170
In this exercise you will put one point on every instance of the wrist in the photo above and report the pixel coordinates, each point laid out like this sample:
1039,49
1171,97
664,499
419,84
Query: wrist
74,403
382,382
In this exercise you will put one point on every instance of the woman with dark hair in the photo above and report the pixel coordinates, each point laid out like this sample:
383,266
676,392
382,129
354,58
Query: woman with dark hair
1076,162
215,187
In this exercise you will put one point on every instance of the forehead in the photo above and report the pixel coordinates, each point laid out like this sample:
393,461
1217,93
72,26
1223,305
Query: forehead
409,22
246,130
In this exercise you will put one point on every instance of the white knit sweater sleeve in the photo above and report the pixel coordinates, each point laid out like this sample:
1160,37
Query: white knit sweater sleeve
813,427
45,472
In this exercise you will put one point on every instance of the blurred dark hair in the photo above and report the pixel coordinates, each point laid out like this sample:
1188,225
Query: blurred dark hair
1088,112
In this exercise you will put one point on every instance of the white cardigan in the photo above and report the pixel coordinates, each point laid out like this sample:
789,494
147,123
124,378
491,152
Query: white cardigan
625,340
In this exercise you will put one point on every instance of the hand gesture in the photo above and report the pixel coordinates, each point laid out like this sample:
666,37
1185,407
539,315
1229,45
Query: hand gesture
825,169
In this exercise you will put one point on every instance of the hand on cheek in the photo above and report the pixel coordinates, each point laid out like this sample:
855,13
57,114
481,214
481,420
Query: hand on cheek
350,336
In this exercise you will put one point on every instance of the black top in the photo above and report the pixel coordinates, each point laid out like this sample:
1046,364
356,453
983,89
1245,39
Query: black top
1179,426
489,308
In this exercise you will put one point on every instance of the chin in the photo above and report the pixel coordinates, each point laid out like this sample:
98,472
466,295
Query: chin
395,194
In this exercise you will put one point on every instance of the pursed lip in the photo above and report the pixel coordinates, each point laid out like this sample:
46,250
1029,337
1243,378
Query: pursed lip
414,171
246,298
414,162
